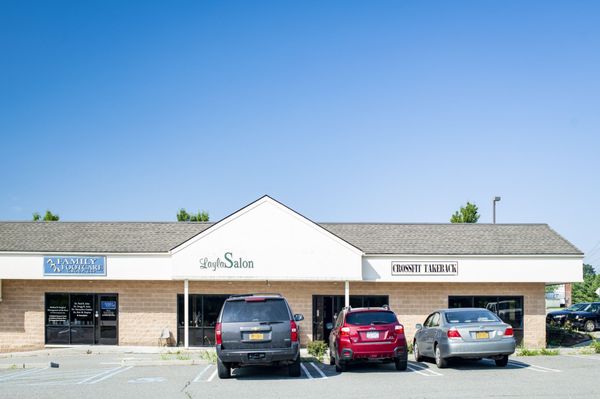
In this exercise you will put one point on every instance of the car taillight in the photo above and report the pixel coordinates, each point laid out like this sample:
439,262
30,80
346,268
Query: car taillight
293,331
399,329
218,335
453,333
509,332
345,332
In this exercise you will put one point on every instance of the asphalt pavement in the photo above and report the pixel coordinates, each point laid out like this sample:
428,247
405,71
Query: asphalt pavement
124,375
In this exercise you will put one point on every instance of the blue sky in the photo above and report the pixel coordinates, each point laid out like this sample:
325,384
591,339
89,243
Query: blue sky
344,111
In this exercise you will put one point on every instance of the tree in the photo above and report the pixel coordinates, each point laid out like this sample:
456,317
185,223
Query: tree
48,217
183,216
585,291
467,214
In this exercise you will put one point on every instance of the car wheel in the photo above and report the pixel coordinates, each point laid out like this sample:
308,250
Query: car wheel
418,357
439,360
502,362
294,368
400,364
223,369
589,326
340,366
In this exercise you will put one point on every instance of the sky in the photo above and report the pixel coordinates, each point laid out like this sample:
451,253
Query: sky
348,111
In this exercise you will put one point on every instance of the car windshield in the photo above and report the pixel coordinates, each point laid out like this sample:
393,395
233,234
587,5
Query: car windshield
270,310
367,318
471,316
576,307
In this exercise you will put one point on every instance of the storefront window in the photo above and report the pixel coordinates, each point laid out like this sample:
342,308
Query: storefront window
508,308
202,317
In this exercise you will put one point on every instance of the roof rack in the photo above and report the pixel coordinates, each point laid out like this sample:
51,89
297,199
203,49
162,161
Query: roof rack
255,294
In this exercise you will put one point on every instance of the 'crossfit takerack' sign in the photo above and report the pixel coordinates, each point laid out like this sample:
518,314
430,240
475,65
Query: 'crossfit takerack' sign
424,268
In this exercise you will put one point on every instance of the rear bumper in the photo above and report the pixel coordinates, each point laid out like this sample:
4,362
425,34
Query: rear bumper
381,351
478,349
265,356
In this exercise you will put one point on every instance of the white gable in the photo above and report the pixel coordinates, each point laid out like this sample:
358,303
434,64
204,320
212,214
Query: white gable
266,241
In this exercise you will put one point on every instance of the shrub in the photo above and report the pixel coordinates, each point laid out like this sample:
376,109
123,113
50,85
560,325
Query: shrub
317,349
527,352
596,346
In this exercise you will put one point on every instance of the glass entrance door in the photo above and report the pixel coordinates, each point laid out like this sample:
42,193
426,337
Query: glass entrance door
106,319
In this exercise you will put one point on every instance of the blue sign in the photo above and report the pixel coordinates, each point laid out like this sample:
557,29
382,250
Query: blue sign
74,266
108,305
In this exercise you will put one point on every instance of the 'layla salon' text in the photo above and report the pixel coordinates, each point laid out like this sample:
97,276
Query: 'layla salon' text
424,268
228,262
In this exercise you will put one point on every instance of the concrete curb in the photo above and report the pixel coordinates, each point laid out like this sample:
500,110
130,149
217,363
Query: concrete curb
21,366
138,363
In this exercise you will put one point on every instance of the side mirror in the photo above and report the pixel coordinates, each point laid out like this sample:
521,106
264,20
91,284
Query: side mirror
419,327
329,326
298,317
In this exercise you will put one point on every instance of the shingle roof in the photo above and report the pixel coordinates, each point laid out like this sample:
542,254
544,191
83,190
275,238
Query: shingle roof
371,238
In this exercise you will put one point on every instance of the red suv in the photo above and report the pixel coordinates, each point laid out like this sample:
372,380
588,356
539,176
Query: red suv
363,334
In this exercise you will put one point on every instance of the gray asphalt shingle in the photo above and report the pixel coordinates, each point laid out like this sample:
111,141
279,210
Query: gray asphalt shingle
371,238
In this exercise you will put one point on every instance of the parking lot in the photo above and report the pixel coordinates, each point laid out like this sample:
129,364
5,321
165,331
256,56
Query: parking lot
124,375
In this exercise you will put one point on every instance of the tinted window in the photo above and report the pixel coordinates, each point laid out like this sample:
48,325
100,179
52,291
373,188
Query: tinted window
471,316
367,318
435,321
267,310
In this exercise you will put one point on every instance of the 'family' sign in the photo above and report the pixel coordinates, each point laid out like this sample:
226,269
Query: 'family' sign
74,266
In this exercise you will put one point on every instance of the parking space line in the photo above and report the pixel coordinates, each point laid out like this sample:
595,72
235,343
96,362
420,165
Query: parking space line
425,369
532,367
310,377
546,368
97,375
21,373
107,376
201,373
419,371
318,370
212,376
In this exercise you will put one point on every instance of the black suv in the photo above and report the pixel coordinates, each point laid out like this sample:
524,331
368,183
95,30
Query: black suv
257,329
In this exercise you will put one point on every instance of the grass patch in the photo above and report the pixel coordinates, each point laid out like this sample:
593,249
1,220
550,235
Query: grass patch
522,351
595,346
549,352
318,349
209,356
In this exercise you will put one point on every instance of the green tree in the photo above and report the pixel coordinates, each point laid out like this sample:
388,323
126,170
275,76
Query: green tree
466,214
183,216
48,217
585,291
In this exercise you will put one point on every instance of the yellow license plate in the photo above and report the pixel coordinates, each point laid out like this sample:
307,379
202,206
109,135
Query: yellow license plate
254,337
482,335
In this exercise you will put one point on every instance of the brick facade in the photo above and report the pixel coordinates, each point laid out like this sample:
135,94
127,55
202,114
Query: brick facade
146,307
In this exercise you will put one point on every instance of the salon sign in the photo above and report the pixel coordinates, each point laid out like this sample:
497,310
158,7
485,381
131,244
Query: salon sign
424,268
74,266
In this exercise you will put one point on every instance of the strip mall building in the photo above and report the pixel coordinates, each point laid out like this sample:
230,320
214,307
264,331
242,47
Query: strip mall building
67,283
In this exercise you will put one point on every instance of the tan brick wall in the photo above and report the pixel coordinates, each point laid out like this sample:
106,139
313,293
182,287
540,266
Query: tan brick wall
146,307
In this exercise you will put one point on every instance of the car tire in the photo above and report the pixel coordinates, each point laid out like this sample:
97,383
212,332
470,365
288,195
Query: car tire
340,366
502,362
589,326
417,353
401,365
223,369
294,368
440,362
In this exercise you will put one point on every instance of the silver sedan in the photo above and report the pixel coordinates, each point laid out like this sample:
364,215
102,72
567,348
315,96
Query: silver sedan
471,333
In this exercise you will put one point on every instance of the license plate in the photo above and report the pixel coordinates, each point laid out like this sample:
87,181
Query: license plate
256,337
372,334
482,335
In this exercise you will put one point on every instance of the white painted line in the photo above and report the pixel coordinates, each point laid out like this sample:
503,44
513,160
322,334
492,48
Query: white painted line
418,371
318,370
212,376
526,366
306,371
427,370
200,374
546,368
21,373
107,376
98,375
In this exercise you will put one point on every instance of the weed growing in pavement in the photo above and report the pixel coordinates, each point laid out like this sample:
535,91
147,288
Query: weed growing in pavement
12,367
410,348
549,352
595,346
586,351
317,349
522,351
183,357
209,356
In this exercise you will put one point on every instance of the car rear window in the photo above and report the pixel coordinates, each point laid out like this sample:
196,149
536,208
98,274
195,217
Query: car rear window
267,310
471,316
367,318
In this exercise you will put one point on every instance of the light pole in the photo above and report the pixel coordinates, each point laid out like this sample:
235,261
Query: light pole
496,199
